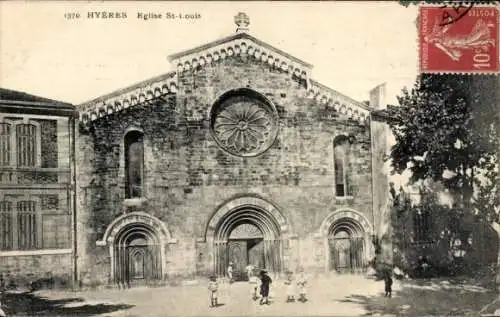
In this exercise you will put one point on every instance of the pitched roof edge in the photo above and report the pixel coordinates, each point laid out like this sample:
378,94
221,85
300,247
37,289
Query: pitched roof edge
334,92
36,108
128,89
21,97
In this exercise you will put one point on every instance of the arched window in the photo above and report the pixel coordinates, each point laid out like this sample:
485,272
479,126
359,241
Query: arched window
134,164
342,168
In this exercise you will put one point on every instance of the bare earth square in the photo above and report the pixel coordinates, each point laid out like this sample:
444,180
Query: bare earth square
346,295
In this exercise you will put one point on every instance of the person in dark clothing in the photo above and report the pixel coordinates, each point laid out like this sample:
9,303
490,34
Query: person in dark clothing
392,191
265,281
388,284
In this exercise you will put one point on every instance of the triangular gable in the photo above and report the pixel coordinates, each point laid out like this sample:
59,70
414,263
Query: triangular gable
240,43
201,56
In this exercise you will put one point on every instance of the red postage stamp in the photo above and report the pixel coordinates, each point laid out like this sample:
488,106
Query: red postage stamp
461,39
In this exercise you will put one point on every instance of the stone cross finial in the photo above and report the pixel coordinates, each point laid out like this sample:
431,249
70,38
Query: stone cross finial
242,21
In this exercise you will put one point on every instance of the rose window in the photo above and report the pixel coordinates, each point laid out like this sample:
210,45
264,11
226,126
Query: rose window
244,127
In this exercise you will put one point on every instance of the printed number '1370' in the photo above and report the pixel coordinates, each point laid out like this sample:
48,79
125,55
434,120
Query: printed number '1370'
72,15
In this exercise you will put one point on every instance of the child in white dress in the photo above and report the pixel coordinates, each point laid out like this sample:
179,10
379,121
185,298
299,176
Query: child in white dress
213,287
254,285
301,284
290,287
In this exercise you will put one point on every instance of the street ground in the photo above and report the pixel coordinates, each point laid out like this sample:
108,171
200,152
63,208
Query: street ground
346,295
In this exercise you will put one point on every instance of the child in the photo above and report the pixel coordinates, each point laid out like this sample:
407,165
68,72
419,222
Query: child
213,286
388,284
301,283
254,281
290,289
249,269
230,272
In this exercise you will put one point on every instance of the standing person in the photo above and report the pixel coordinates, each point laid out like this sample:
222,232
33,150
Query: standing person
249,270
388,283
230,272
2,284
301,284
265,281
290,289
213,287
254,281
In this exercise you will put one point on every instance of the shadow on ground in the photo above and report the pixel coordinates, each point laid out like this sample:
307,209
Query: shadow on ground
31,304
431,297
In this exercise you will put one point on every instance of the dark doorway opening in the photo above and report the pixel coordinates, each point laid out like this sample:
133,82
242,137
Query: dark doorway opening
244,252
245,237
245,247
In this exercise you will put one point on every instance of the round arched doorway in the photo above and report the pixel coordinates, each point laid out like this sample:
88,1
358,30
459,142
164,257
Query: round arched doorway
347,240
137,255
245,231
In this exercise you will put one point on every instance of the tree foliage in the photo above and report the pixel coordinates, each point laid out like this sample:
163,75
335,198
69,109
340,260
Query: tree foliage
446,130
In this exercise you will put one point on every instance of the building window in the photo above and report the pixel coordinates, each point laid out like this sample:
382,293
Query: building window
26,225
134,164
6,230
5,147
19,226
421,226
26,145
341,165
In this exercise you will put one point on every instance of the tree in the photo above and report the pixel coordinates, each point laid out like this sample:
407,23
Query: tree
446,130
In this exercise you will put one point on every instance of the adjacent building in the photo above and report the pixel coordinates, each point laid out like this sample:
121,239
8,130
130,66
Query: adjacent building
36,189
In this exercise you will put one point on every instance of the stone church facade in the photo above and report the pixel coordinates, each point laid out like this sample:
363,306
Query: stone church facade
237,156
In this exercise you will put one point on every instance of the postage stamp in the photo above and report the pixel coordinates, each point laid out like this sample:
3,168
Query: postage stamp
461,39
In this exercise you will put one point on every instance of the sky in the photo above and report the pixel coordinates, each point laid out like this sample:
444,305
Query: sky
353,46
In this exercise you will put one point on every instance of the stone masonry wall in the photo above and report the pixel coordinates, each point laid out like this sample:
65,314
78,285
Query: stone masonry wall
187,176
48,270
